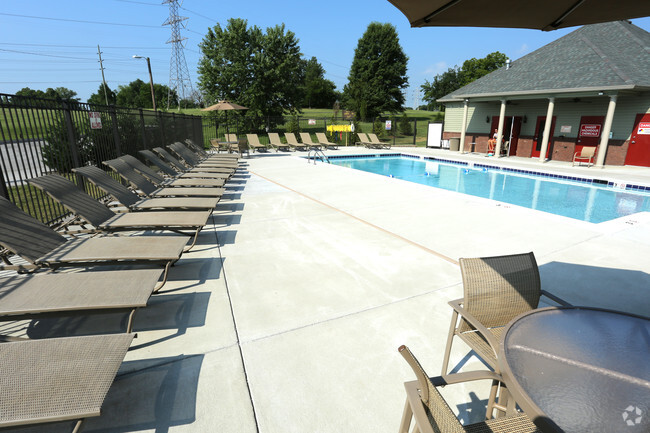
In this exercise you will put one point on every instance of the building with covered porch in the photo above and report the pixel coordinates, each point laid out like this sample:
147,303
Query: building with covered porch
593,84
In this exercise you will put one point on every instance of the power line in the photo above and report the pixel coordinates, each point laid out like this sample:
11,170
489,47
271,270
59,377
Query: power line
129,47
45,55
79,21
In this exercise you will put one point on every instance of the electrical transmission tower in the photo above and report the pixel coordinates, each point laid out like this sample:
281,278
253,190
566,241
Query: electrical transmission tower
179,75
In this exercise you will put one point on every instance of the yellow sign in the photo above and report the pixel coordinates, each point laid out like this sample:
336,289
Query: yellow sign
339,128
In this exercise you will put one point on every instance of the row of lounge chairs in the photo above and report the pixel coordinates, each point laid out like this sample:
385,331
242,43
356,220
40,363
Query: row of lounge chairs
67,379
291,143
371,141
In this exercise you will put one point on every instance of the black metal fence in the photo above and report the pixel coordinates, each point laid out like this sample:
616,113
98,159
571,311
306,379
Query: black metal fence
40,136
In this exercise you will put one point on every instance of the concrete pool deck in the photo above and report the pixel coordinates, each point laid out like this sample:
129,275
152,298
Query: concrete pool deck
287,315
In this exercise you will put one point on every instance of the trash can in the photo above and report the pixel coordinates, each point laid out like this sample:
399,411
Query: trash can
454,144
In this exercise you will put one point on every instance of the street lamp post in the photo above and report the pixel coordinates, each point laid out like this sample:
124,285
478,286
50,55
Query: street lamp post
153,97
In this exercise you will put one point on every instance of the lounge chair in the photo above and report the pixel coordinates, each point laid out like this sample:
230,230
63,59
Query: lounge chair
292,141
426,405
37,296
364,140
133,202
305,137
198,149
139,182
195,160
322,139
58,379
178,165
104,219
377,142
276,142
586,154
43,247
254,142
160,181
496,290
170,171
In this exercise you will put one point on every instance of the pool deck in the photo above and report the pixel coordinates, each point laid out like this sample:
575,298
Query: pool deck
287,315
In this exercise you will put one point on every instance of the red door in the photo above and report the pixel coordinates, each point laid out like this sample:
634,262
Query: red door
589,131
539,134
511,130
639,151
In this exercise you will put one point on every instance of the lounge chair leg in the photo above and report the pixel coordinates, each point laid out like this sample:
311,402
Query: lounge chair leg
196,235
407,416
78,426
129,325
161,284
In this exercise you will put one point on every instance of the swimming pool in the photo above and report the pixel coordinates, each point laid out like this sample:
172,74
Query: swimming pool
569,198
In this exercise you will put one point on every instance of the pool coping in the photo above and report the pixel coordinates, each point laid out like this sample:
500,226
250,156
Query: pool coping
589,180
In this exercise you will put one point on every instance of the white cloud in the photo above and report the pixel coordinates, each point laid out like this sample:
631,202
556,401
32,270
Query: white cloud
523,49
436,68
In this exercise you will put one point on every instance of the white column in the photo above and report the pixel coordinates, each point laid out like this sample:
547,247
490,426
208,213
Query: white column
463,128
607,127
547,129
502,119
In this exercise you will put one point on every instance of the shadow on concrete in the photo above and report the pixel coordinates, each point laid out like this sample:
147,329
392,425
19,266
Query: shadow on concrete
229,207
225,237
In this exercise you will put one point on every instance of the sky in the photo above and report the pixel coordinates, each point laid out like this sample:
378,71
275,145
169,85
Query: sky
48,43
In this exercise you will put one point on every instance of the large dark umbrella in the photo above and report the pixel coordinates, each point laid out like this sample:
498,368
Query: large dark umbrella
526,14
224,106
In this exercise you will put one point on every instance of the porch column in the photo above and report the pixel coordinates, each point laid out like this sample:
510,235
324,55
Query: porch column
547,129
607,127
463,128
502,119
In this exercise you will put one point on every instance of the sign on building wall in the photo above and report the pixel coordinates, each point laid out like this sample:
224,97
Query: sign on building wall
565,129
590,130
644,128
95,120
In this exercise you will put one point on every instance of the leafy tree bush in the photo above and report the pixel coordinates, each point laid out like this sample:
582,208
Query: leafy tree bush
293,125
405,127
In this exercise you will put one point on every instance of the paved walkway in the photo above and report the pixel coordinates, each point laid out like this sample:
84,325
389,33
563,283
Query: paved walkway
287,315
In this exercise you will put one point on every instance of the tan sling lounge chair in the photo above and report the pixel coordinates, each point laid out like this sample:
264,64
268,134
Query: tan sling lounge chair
43,295
364,140
160,180
195,160
292,141
139,182
43,247
133,202
104,219
432,414
496,290
322,139
305,137
586,154
276,142
376,142
58,379
254,142
172,172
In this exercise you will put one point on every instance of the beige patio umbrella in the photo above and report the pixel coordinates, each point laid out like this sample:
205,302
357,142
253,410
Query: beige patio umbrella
543,15
224,106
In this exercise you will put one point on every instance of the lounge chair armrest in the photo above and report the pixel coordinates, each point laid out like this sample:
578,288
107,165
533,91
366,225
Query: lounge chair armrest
556,299
20,268
469,317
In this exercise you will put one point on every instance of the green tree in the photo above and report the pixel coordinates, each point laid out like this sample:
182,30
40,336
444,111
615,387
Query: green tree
405,127
455,78
262,71
319,92
99,97
378,73
137,94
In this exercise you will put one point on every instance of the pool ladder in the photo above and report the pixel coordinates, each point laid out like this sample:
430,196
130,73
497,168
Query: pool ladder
317,154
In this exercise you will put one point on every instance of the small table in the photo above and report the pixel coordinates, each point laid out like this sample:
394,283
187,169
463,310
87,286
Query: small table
575,369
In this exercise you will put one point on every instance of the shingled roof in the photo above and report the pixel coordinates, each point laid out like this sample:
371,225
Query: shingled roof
608,56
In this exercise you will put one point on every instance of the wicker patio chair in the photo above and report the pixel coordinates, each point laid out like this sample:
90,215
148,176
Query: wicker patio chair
432,414
133,202
44,295
141,183
276,142
43,247
58,379
180,166
170,171
104,219
254,142
305,137
322,139
496,289
161,181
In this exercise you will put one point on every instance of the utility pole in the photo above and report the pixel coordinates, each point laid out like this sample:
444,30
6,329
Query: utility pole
101,67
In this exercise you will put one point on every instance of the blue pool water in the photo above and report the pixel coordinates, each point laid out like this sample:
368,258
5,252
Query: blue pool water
571,199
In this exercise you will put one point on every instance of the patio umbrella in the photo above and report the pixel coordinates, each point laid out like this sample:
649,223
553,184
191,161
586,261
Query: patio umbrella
224,106
542,15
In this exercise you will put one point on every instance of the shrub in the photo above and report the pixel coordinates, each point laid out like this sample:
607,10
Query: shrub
405,125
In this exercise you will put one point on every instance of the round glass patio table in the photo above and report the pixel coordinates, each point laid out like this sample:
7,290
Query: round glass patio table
575,369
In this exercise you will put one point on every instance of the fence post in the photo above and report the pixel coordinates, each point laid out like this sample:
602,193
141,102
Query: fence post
72,142
144,129
415,131
160,120
116,132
